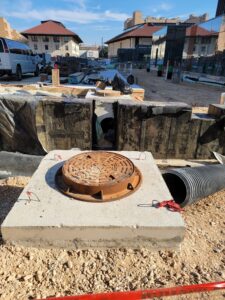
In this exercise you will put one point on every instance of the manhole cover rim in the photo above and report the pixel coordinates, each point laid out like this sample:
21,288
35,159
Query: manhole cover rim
110,191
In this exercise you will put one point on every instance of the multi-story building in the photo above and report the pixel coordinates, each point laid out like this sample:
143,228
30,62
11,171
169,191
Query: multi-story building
8,32
54,38
176,43
193,19
137,36
200,41
138,19
138,32
220,8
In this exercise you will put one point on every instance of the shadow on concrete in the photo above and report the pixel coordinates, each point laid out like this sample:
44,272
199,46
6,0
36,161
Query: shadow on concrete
8,197
51,174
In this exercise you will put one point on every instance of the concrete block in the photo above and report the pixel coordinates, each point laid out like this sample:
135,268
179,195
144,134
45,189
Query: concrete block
52,219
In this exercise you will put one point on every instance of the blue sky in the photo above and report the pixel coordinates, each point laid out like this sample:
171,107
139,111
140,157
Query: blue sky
96,19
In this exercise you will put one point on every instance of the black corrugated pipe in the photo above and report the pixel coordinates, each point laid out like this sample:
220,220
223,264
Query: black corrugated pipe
188,185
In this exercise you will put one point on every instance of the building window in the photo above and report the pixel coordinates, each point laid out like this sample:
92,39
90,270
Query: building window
203,49
56,39
35,47
66,48
34,38
66,39
45,39
206,40
56,46
46,47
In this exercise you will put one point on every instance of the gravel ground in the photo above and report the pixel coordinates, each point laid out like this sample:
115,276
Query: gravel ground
29,273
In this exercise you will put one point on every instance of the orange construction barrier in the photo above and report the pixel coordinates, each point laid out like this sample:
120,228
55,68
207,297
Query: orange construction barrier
149,294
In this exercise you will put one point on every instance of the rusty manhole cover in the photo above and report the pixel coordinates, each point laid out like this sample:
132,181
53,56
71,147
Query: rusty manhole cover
98,177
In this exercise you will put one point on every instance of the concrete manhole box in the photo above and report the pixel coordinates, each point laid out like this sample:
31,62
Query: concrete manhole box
43,216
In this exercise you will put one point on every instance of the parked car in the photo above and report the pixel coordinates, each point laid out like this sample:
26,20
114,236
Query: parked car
16,59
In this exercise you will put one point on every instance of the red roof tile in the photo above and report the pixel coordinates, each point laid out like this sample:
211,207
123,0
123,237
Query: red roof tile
143,30
199,31
50,28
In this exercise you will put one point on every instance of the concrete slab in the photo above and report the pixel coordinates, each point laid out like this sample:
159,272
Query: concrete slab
52,219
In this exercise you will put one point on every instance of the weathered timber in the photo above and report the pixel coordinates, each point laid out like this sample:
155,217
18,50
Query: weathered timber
17,124
169,130
64,124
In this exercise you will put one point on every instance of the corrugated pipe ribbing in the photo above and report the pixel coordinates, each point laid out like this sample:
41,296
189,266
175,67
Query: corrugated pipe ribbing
188,185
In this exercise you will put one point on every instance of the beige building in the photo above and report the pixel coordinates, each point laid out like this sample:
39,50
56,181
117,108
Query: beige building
54,38
138,36
197,19
8,32
200,42
138,19
221,36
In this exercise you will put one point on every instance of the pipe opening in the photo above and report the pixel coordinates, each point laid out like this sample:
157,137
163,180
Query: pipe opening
176,187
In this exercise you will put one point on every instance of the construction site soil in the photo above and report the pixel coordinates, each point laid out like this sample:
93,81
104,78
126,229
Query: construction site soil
194,94
29,273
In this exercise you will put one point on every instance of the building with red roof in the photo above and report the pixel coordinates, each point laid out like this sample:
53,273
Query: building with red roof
201,40
175,43
139,35
54,38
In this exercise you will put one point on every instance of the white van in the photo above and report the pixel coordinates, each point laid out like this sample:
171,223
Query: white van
16,59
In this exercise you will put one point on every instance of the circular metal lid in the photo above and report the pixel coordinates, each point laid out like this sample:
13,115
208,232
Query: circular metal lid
98,176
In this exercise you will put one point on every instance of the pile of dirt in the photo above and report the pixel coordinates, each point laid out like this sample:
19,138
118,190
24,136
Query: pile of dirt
29,273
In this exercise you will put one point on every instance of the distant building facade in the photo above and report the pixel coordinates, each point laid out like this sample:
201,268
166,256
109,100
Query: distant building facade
200,41
139,36
89,51
198,47
8,32
197,19
54,38
138,19
220,8
138,32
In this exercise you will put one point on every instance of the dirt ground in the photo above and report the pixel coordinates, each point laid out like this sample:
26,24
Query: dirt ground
159,89
27,79
29,273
